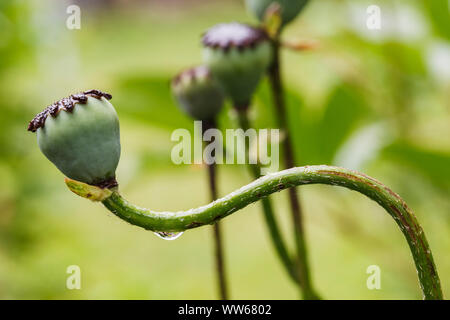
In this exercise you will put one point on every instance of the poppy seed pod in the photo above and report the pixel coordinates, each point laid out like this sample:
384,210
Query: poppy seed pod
198,93
80,135
289,8
238,55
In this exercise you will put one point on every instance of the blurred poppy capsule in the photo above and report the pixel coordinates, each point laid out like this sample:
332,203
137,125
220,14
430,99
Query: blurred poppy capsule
198,94
80,135
238,55
289,8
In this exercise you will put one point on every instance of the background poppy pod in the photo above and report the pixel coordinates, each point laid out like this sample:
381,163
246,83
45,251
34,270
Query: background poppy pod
238,55
289,8
198,94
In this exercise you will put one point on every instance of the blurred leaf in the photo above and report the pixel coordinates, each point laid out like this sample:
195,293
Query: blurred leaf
16,38
262,112
432,164
148,99
301,121
342,115
439,16
318,134
405,58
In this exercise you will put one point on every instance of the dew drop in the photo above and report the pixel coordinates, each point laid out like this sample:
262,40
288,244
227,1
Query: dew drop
168,235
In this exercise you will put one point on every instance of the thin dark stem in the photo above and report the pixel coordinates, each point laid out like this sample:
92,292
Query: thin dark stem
218,243
268,212
296,209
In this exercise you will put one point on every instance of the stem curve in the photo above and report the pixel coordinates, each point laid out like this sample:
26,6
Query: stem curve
219,209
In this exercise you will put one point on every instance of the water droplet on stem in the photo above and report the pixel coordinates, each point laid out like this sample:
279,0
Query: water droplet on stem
168,235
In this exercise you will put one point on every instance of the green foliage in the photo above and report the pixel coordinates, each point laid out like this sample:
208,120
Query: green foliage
432,164
148,99
438,13
318,134
349,84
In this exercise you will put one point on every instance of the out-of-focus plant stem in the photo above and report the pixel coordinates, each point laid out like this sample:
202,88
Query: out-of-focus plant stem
217,232
266,185
277,89
272,224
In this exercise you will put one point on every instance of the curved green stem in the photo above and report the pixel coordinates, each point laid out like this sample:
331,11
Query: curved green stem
219,209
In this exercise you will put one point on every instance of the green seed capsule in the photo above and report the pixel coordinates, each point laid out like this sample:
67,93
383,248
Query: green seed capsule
198,93
289,8
80,135
238,56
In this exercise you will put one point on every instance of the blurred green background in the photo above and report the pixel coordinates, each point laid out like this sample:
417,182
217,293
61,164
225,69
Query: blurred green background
372,100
